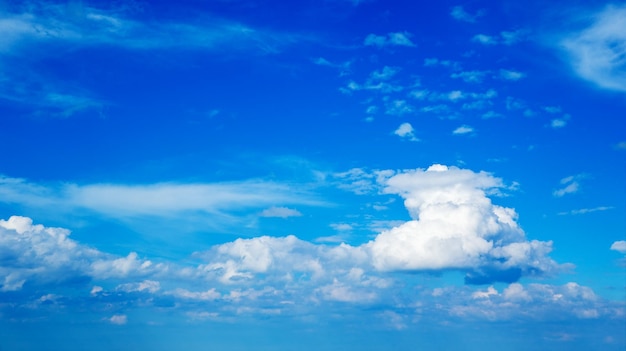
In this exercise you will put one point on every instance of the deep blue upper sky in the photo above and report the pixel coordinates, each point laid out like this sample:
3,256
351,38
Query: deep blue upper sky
327,174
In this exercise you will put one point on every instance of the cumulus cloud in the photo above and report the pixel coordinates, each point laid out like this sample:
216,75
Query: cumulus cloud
391,39
598,53
406,131
455,226
40,255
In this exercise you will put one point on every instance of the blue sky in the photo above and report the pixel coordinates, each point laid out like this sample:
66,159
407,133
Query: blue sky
326,174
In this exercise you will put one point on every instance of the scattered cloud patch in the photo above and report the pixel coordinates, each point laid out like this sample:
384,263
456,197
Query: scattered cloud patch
598,53
406,131
505,38
619,246
558,123
459,14
464,129
511,75
341,227
570,185
280,212
484,39
398,107
118,319
620,146
470,76
586,210
391,39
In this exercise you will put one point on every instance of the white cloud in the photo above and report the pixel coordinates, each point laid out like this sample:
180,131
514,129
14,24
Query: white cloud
460,14
558,123
405,130
619,246
455,226
505,37
586,210
45,255
281,212
598,53
344,68
398,108
160,199
470,76
209,295
391,39
485,294
570,185
510,38
511,75
93,26
118,319
464,129
341,227
384,74
484,39
491,114
150,286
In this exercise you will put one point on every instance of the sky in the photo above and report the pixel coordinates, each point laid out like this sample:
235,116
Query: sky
319,175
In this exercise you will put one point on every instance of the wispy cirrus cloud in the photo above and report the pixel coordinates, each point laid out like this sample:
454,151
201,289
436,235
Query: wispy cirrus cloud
586,210
166,200
569,185
598,52
42,29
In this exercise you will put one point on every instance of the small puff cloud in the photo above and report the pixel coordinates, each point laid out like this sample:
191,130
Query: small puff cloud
406,131
118,319
464,129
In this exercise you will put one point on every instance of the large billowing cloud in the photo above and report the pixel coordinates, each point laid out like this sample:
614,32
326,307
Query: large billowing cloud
456,226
